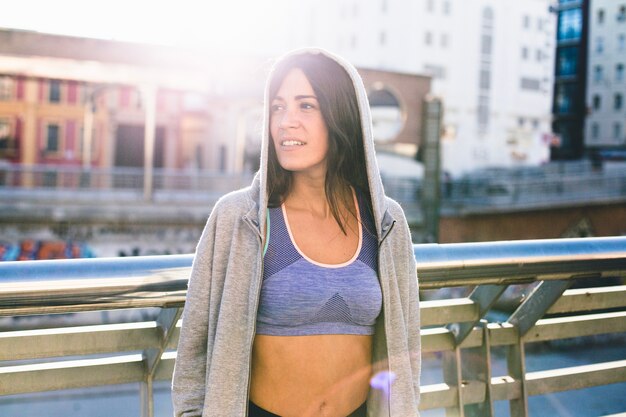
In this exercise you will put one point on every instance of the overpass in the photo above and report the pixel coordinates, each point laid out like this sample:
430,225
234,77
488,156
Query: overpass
557,200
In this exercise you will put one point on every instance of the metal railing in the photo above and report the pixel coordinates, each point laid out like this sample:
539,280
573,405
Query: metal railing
563,184
73,356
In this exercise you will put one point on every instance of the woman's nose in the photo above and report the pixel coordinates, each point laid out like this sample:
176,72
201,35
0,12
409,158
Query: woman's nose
288,119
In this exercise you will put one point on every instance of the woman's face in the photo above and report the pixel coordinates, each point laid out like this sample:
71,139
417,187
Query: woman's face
298,130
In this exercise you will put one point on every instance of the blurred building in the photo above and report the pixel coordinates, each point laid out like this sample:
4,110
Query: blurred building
491,63
590,84
86,102
606,79
570,91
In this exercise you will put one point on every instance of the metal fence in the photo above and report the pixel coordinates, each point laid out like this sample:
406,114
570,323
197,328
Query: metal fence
494,189
73,355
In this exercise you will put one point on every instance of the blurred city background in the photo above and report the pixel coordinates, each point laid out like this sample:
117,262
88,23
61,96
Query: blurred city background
121,123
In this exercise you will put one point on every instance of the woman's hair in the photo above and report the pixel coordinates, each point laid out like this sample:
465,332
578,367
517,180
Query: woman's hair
340,110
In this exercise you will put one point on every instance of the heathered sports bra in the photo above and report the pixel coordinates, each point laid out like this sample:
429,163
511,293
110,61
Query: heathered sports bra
302,297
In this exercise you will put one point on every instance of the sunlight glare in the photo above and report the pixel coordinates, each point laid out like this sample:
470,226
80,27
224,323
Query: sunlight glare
231,26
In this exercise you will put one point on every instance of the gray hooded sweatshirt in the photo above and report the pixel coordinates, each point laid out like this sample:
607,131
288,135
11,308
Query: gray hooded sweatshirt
212,371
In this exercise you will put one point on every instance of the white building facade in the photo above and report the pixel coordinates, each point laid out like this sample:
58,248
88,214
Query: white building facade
491,63
606,75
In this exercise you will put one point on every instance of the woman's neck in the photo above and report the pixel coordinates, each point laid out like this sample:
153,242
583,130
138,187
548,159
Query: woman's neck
309,194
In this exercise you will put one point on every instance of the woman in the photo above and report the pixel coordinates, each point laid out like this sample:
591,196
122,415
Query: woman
303,297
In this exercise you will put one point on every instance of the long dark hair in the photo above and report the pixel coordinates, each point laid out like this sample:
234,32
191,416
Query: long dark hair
340,110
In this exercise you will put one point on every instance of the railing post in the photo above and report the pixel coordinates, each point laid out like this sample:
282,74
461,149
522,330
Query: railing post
451,364
477,367
166,322
147,397
516,363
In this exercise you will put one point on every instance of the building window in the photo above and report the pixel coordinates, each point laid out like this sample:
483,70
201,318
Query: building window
617,130
595,130
538,55
621,42
7,88
483,112
435,71
600,16
597,102
383,6
599,45
570,24
53,135
446,7
567,61
430,5
621,14
526,22
383,38
353,41
6,139
618,101
598,73
54,93
428,38
485,79
485,44
619,72
535,123
487,20
530,84
524,53
565,98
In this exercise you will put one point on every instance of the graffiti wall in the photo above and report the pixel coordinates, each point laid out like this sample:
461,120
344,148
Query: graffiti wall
30,249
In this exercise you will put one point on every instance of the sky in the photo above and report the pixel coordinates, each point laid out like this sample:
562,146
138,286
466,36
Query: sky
236,25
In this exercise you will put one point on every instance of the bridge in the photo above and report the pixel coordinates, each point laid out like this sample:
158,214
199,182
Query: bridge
49,356
471,206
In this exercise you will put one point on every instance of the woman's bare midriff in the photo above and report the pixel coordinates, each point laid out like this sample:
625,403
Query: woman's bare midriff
310,376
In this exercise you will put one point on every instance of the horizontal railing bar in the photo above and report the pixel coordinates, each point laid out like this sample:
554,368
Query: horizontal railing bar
576,377
438,312
41,287
581,299
61,375
440,339
577,326
538,383
80,340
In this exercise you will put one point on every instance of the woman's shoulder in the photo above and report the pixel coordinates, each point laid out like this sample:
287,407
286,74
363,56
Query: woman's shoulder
395,209
235,202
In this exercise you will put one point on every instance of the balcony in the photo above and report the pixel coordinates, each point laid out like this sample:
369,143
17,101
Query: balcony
73,324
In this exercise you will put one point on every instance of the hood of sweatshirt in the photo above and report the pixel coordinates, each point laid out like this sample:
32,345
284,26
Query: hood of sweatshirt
379,205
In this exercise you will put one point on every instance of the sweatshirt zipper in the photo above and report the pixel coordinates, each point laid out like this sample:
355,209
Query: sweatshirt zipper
258,279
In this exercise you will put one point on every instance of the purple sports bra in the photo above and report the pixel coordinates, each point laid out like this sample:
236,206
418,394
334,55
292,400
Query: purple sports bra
302,297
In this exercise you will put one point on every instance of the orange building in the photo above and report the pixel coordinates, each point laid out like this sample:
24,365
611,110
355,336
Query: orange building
68,101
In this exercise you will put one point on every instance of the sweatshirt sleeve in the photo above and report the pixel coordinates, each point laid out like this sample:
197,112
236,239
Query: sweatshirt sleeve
188,382
414,320
411,303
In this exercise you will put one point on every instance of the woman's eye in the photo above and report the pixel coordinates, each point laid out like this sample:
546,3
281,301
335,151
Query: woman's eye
307,106
276,107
